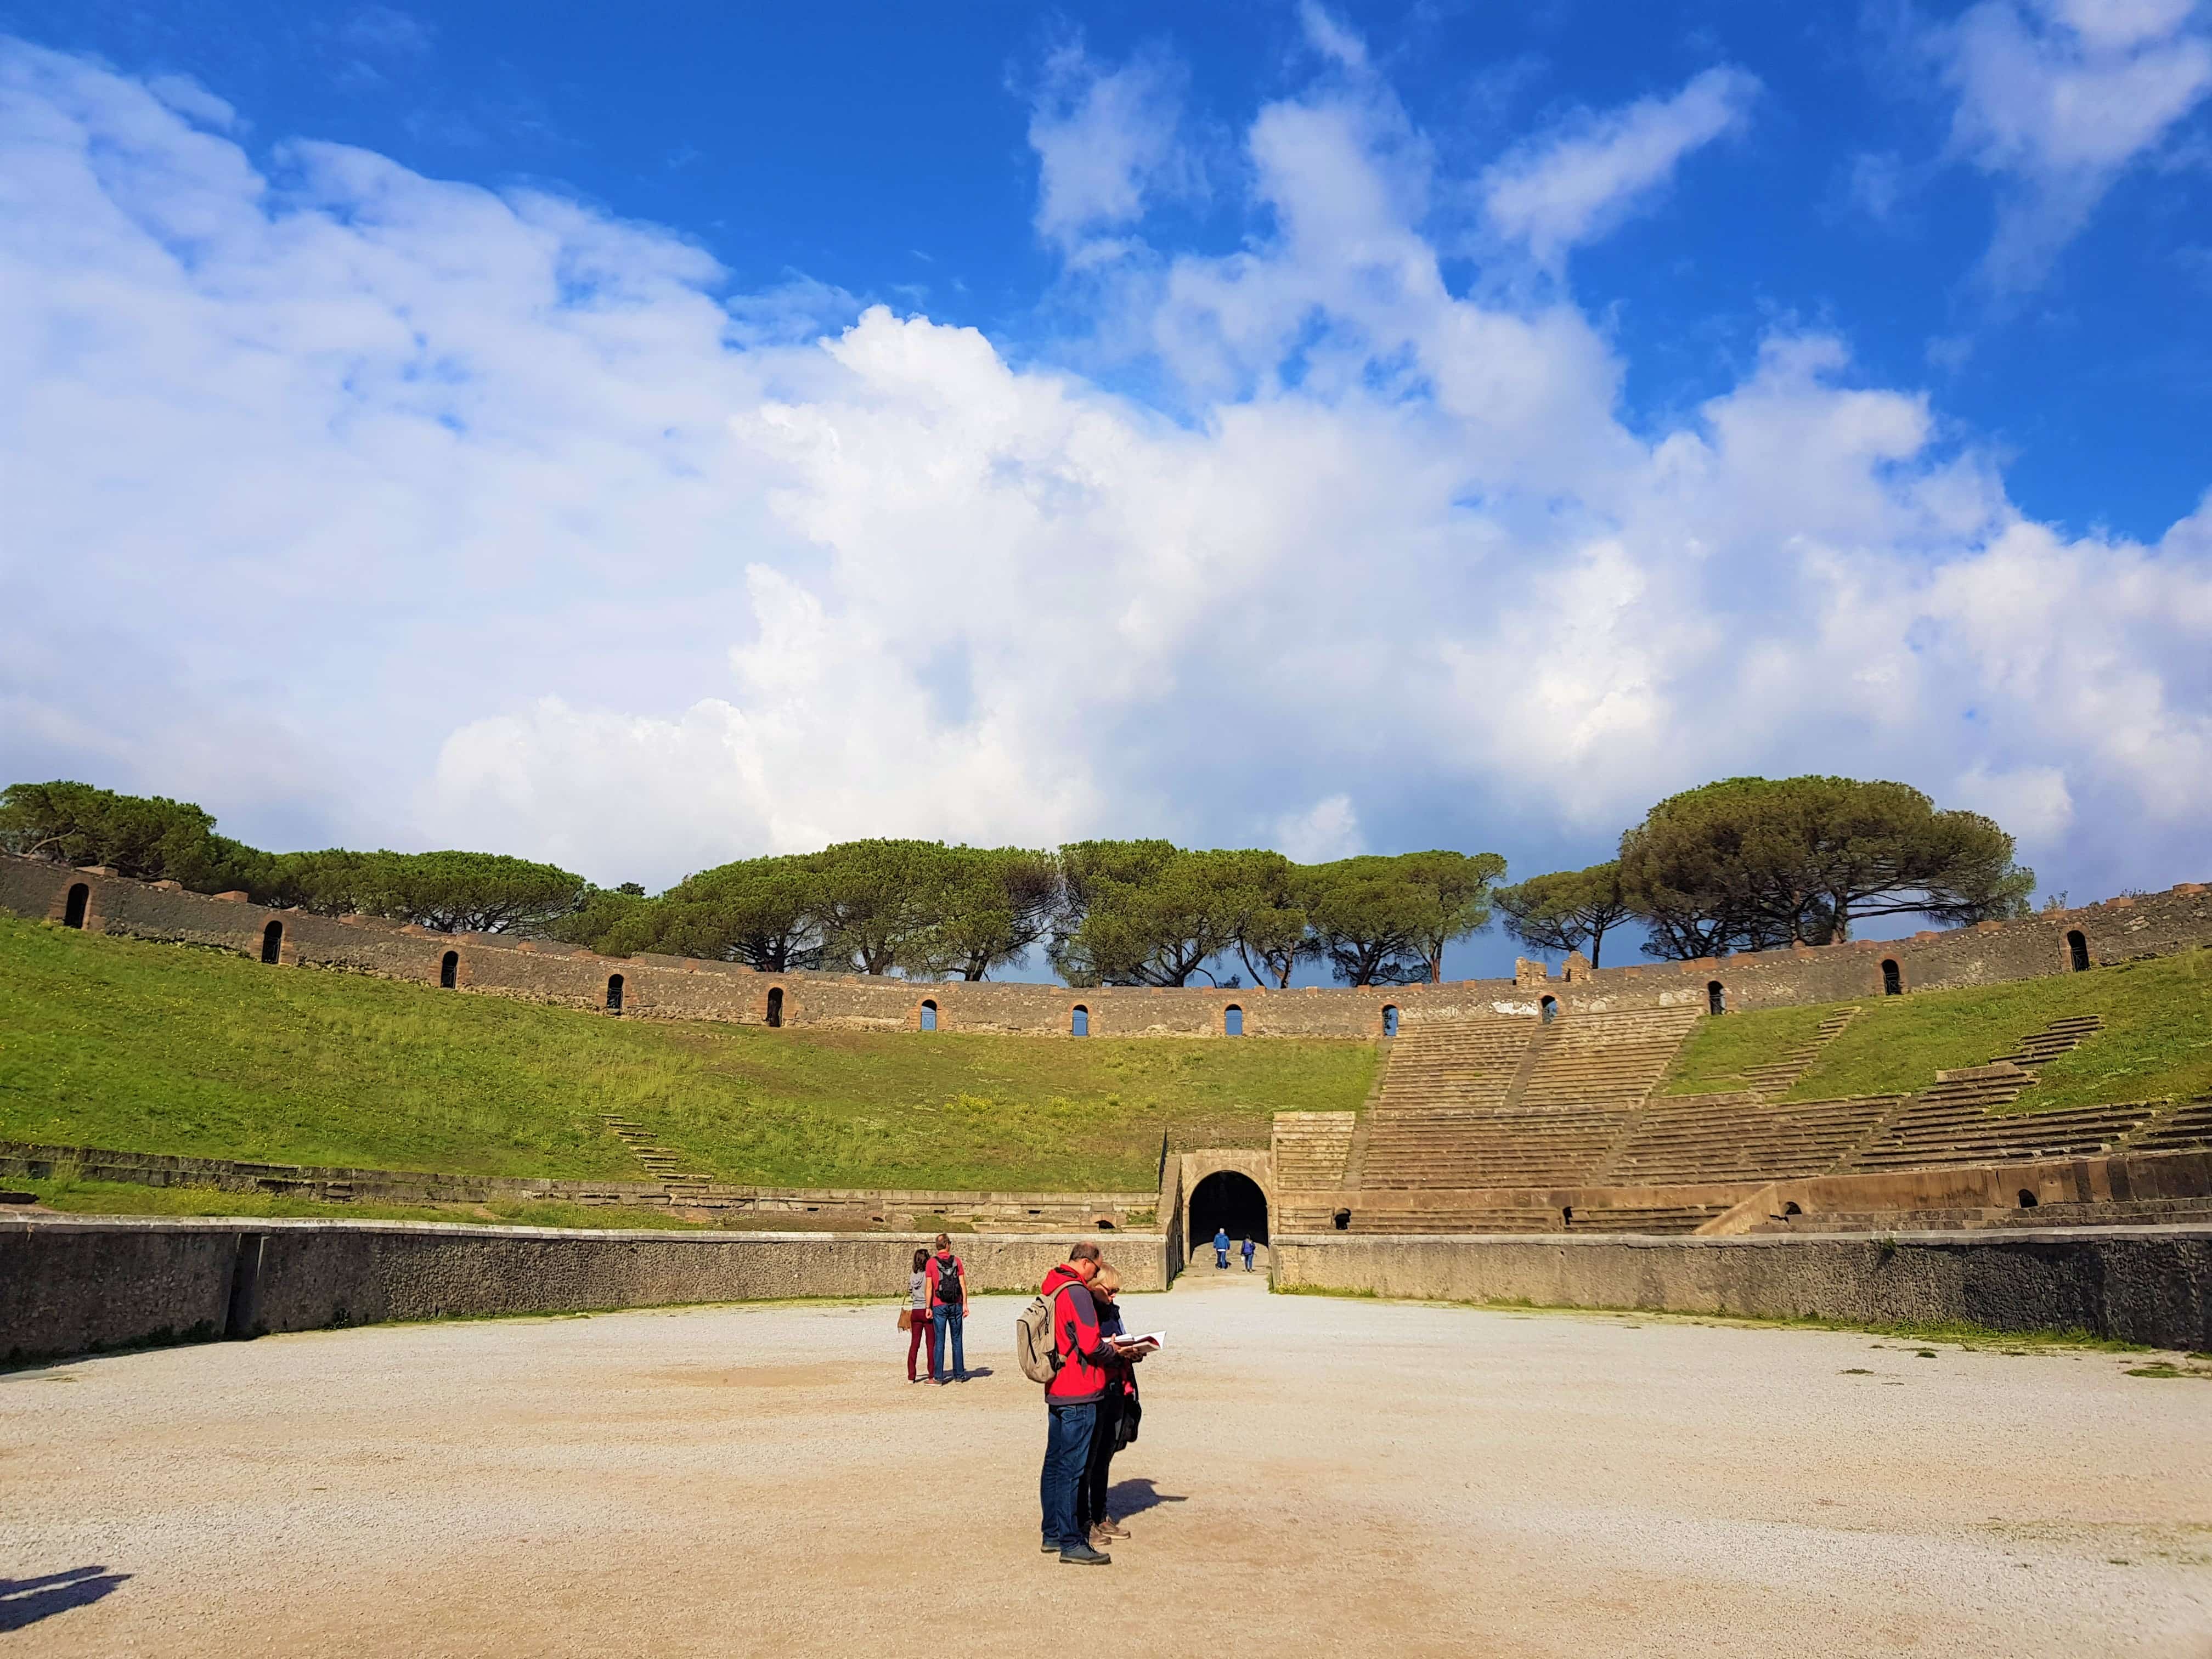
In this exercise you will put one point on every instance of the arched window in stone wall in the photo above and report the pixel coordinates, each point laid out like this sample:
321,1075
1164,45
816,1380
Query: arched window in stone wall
79,902
1232,1021
1078,1021
449,969
614,994
1549,1007
272,941
2077,952
1716,997
775,1005
929,1016
1389,1020
1892,978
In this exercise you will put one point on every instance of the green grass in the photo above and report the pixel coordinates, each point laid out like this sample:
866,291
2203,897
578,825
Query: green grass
2156,1043
118,1043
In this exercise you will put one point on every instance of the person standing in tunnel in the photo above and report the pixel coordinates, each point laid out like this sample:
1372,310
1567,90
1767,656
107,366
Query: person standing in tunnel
1247,1253
1221,1246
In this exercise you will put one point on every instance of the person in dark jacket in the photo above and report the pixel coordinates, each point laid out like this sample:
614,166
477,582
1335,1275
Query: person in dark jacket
1221,1247
1247,1253
1071,1401
1090,1514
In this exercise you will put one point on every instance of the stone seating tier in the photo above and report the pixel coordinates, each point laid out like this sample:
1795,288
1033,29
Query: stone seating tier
2124,1212
1604,1060
1311,1150
1956,1121
1504,1147
1738,1137
1459,1062
2189,1124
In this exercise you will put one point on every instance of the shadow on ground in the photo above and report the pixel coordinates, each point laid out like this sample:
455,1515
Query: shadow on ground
1127,1498
26,1601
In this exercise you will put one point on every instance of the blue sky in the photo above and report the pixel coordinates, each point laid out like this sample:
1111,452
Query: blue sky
644,441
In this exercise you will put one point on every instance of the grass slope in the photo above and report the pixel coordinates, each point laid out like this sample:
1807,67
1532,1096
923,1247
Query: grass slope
2156,1043
163,1049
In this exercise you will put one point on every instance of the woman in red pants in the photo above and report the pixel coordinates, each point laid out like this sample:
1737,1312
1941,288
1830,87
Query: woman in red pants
917,1317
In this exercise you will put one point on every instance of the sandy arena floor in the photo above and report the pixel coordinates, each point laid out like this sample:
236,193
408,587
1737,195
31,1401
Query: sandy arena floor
1315,1475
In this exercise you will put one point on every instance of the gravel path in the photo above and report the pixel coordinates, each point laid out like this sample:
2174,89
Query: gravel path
1315,1475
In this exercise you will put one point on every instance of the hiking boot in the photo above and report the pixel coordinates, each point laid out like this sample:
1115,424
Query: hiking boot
1082,1555
1109,1530
1052,1546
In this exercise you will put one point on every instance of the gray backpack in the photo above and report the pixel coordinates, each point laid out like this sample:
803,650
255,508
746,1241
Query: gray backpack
1035,1343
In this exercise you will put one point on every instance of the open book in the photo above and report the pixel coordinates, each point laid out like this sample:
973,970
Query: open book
1151,1339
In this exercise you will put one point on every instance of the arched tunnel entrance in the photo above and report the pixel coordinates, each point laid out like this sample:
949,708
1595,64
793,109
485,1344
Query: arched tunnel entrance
1229,1202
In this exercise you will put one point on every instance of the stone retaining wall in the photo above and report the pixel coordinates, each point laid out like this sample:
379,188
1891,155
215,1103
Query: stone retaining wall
675,987
70,1286
2148,1284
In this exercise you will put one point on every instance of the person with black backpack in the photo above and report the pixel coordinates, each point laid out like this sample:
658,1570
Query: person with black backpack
1058,1342
948,1311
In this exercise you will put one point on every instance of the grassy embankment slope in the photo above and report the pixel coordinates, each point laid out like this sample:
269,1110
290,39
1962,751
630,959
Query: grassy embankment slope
116,1043
2156,1043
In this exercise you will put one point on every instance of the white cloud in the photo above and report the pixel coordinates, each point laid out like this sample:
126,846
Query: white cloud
2057,99
477,519
1327,829
1104,140
1575,184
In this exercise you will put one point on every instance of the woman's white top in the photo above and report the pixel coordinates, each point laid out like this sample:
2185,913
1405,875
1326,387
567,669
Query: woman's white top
917,1291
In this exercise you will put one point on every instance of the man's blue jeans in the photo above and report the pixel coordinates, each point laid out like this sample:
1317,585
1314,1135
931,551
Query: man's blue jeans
943,1317
1221,1257
1066,1456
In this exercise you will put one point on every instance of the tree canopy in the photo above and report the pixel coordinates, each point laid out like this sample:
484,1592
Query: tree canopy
1744,863
150,837
156,839
1754,863
1566,909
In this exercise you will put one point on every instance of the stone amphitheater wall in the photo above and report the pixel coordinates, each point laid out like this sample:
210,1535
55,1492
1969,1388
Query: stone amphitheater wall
2147,1284
674,988
70,1286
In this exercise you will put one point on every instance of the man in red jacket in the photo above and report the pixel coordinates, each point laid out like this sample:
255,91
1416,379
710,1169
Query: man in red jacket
1071,1400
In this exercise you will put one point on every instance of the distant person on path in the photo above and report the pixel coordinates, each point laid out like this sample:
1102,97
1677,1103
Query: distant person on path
1090,1514
1221,1247
1071,1400
917,1317
948,1311
1247,1253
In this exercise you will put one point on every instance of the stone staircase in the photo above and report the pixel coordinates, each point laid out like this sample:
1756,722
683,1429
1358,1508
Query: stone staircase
1502,1147
1604,1060
1311,1151
664,1163
1454,1062
1740,1137
1777,1077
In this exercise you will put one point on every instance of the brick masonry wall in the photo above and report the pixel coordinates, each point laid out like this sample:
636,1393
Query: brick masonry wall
673,987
